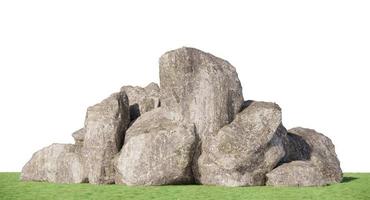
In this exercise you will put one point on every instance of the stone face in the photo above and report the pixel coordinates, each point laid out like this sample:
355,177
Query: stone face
105,126
246,149
142,99
204,89
158,150
57,163
296,173
315,149
70,168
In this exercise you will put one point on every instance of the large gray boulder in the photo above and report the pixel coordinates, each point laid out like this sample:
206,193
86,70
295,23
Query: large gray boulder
105,126
142,99
203,88
158,150
317,151
58,163
245,150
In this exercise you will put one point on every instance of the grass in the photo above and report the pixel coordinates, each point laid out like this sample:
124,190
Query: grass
354,186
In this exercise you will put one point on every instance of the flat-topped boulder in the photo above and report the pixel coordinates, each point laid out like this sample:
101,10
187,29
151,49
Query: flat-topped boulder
296,173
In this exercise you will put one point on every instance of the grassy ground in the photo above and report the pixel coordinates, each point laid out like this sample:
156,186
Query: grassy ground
355,186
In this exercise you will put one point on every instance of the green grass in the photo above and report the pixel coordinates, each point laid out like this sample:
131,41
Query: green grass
355,186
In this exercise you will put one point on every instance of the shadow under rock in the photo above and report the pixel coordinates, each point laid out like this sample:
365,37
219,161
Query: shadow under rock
348,179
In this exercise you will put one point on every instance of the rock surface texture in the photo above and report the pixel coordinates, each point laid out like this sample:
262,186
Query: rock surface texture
105,125
204,89
194,128
314,152
55,163
142,99
79,136
158,150
245,150
296,173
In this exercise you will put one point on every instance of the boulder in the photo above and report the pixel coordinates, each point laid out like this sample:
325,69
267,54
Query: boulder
105,126
203,88
158,150
245,150
142,99
58,163
296,173
317,151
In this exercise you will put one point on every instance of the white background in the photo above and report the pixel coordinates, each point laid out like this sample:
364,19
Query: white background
59,57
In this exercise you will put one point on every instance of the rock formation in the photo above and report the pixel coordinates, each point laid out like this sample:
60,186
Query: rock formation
194,128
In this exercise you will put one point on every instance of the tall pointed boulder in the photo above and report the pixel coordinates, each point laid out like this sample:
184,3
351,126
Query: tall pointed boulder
105,126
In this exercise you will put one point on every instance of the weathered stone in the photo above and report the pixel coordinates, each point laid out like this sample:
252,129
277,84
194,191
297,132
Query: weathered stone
246,149
296,173
195,128
105,126
142,99
317,151
158,150
79,136
70,168
57,163
203,88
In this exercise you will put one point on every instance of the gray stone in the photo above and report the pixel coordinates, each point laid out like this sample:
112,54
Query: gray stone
203,88
195,128
158,150
70,168
317,151
105,126
296,173
246,149
58,163
79,136
142,99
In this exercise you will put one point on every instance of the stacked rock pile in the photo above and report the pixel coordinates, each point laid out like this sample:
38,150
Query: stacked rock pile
194,128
